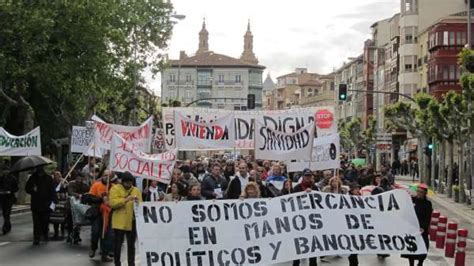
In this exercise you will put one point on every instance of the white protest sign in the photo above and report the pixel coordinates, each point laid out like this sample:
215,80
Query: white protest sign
80,139
272,144
286,228
25,145
217,134
283,120
325,155
141,136
125,157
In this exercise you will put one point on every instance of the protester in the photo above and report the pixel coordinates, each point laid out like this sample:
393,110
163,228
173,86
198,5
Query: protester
100,190
327,174
194,193
8,188
423,210
229,170
58,216
335,186
41,188
277,174
251,191
287,187
354,191
214,185
121,199
239,181
153,193
175,192
307,184
76,189
382,187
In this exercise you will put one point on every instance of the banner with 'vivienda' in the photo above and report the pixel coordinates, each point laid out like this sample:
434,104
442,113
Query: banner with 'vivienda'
215,134
282,229
124,156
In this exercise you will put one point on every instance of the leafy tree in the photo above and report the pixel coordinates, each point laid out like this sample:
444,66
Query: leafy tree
62,61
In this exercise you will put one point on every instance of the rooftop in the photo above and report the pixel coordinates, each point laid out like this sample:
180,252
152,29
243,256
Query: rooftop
211,59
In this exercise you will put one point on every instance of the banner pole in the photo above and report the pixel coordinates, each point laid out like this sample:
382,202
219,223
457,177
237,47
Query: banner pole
74,166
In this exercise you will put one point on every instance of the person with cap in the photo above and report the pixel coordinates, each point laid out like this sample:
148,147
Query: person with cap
8,188
121,199
307,184
43,198
423,210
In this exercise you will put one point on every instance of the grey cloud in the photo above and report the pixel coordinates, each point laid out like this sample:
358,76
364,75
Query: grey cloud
372,10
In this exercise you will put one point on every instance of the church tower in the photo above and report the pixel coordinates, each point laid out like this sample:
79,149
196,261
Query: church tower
203,39
248,55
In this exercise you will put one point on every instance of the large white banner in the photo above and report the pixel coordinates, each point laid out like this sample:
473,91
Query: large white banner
25,145
276,145
141,136
325,155
262,231
125,157
216,134
286,120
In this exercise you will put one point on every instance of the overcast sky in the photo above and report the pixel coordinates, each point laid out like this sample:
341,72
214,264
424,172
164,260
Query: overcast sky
317,34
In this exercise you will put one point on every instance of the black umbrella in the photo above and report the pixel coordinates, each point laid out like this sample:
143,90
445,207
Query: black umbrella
30,162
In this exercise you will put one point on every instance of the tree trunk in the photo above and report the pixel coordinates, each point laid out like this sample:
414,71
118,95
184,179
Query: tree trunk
421,160
441,173
449,183
462,194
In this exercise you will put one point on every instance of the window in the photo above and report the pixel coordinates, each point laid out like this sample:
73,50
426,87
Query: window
452,72
445,72
451,38
221,78
188,78
204,78
238,79
172,77
445,38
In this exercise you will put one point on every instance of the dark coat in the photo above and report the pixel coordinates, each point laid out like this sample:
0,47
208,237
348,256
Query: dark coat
8,187
209,183
235,188
423,210
299,188
41,188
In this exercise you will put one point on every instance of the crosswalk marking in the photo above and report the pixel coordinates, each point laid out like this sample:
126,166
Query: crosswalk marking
4,243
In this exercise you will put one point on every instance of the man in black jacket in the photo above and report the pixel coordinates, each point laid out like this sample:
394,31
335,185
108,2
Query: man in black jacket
41,188
214,185
238,183
8,188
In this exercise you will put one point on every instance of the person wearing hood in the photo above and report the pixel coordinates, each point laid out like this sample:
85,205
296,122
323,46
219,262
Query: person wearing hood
238,183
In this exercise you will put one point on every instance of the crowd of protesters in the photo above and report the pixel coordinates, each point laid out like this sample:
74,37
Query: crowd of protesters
110,196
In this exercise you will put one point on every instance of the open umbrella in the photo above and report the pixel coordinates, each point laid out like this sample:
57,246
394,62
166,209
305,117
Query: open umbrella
359,162
30,162
414,188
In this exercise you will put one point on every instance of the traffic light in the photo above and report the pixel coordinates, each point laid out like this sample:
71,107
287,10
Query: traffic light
428,150
250,101
342,92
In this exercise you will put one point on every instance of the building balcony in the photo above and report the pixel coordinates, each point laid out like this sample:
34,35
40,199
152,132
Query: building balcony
180,82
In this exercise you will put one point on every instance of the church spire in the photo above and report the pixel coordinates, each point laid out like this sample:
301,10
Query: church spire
248,55
203,38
